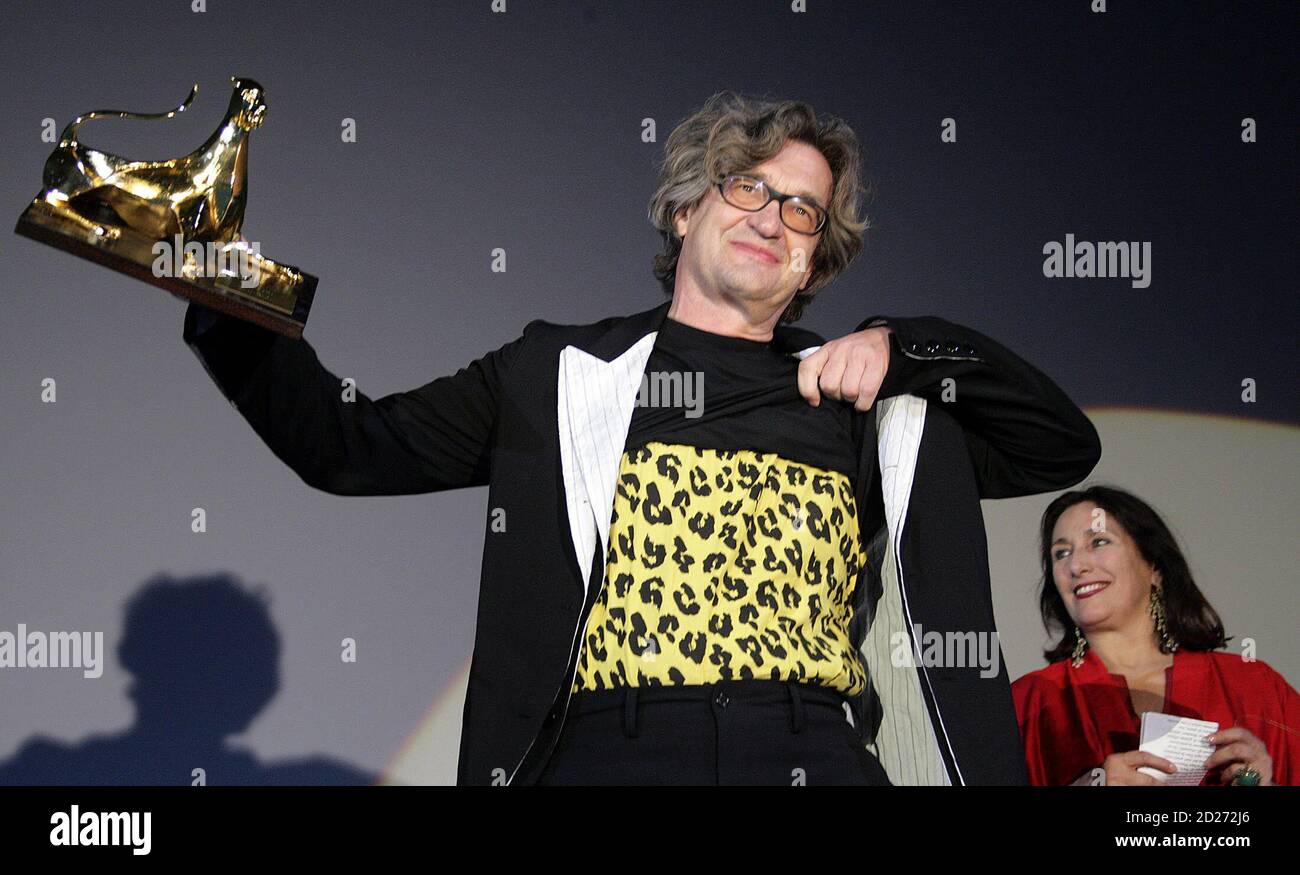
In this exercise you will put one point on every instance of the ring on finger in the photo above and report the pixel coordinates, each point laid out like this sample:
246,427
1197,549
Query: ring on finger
1247,777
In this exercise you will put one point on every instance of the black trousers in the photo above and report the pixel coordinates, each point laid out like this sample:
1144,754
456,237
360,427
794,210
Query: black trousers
729,733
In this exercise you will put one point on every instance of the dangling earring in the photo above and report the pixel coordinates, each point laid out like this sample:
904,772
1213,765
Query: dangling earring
1080,647
1168,644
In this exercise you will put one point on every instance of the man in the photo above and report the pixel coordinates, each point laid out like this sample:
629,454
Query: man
691,595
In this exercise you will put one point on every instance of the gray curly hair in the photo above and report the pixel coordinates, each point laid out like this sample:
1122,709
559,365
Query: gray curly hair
733,133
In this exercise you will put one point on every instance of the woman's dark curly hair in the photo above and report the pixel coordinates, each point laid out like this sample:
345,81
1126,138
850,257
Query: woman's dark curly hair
1190,619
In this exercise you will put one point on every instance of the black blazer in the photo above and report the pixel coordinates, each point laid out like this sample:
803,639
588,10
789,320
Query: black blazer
541,421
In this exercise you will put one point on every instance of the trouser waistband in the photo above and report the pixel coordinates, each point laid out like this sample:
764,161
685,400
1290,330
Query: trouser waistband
721,693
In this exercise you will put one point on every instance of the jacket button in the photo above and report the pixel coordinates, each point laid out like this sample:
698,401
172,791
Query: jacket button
721,699
553,715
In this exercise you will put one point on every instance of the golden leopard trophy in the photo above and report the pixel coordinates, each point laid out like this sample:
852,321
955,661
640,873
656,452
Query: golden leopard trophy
175,224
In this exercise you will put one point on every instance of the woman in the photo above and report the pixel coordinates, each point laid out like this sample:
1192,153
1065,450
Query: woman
1137,635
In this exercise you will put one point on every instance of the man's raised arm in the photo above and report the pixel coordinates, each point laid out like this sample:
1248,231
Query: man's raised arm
1025,435
429,439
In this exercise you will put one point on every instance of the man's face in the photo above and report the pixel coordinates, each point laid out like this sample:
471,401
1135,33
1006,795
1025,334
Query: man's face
729,253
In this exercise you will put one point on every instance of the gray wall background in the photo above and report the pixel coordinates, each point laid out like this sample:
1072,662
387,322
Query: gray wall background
522,130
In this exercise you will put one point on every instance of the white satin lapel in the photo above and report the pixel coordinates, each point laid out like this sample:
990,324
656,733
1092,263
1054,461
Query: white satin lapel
595,403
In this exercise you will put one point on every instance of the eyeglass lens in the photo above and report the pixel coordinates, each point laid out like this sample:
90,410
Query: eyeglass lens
750,194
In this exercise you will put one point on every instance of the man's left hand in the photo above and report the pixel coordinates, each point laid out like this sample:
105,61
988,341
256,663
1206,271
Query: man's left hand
850,368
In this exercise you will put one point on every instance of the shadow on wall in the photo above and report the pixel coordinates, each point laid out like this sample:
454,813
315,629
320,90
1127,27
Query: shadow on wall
204,657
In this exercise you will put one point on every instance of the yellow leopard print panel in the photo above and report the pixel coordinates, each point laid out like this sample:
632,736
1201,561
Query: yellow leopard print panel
724,565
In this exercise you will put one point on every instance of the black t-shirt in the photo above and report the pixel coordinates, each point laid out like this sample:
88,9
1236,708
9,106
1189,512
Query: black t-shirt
730,393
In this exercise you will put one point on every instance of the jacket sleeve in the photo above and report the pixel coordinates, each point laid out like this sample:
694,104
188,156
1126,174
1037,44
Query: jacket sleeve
1024,434
429,439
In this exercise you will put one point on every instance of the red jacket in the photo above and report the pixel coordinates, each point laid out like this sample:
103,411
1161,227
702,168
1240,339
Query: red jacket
1073,718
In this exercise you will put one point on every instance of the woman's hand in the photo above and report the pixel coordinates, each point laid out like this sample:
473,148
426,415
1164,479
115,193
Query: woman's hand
1238,749
1122,769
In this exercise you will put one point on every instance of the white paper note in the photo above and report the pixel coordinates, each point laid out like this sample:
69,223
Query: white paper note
1181,740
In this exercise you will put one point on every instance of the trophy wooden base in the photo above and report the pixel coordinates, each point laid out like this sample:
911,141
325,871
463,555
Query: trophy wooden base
279,298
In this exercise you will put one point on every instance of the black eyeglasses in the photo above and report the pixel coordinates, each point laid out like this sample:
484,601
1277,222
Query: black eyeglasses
751,194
